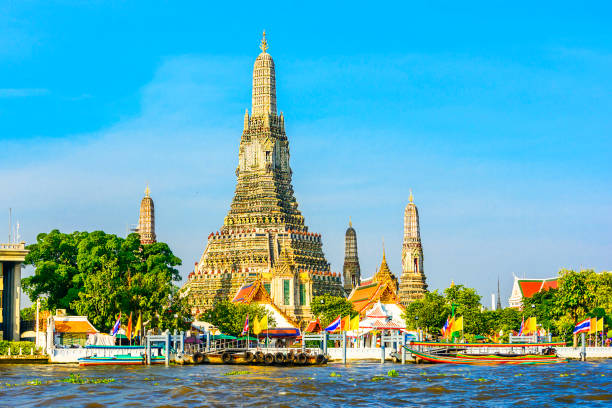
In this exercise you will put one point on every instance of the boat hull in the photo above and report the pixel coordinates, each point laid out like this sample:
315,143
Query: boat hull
486,360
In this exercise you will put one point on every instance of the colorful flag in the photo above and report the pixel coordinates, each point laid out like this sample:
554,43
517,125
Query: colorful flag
531,325
245,329
520,333
354,323
116,326
256,326
263,323
451,327
346,322
458,325
335,325
583,327
600,324
138,331
593,328
128,330
444,328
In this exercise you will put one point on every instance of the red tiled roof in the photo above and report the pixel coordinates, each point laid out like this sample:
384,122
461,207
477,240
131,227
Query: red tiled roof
314,326
74,326
530,287
243,294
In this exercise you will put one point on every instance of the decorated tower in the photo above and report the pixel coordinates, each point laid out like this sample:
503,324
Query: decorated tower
412,285
351,270
264,235
146,221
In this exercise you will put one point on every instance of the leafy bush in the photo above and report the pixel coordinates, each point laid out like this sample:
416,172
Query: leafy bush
26,346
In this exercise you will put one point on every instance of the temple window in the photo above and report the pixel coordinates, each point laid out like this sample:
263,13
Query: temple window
286,292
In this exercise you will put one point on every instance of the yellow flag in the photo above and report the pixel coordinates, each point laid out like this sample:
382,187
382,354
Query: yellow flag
128,331
593,328
458,324
256,327
263,323
600,324
354,323
138,331
532,325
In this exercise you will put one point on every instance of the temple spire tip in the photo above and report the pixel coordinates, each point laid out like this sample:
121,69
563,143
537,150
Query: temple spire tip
264,43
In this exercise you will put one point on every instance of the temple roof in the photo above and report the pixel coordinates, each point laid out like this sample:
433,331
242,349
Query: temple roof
73,324
255,292
530,287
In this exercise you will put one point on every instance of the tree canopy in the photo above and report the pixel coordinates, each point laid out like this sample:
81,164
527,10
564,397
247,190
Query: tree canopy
328,307
99,275
229,317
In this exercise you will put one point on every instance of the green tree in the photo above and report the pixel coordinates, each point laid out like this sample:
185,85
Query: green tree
462,298
328,307
57,275
575,296
100,275
229,317
431,312
542,306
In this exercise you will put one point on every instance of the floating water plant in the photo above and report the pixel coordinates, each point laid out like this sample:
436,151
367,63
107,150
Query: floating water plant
35,382
393,373
77,379
378,378
334,374
237,372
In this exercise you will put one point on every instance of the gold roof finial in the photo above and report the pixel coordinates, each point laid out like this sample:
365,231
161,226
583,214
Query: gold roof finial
411,198
452,283
264,43
350,222
147,191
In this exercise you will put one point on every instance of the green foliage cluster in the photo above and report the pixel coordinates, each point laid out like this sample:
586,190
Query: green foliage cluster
78,379
99,275
229,317
328,307
25,346
579,294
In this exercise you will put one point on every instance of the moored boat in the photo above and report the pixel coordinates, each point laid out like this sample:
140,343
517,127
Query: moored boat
486,359
121,359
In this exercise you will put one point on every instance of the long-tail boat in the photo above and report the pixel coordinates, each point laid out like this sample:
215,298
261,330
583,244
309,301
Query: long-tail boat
122,359
454,353
487,359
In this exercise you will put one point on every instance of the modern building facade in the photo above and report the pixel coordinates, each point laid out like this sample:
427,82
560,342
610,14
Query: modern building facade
12,257
264,235
412,282
351,270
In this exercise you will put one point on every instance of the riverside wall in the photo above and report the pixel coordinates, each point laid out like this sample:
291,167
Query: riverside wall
591,352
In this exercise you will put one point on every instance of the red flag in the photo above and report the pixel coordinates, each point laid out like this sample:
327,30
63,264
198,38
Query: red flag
245,329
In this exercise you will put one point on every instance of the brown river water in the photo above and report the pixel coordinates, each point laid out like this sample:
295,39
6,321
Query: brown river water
335,385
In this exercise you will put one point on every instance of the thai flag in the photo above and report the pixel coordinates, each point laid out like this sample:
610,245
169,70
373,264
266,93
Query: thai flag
117,325
335,325
445,327
583,327
520,333
245,329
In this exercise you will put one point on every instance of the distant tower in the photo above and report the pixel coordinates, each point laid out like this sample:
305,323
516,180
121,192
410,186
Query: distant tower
351,270
412,286
499,306
146,221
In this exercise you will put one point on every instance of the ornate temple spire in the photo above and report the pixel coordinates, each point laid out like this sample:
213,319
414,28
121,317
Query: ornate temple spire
264,83
351,270
499,305
412,286
146,220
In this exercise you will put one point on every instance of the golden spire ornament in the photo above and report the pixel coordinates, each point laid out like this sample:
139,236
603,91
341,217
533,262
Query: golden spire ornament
411,198
147,191
264,43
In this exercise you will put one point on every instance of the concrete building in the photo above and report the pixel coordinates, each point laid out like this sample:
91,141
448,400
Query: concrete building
11,258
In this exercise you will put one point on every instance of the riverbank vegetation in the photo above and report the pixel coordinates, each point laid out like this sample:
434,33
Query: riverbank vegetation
100,275
229,317
579,295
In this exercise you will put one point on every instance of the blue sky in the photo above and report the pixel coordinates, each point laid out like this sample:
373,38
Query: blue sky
498,117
